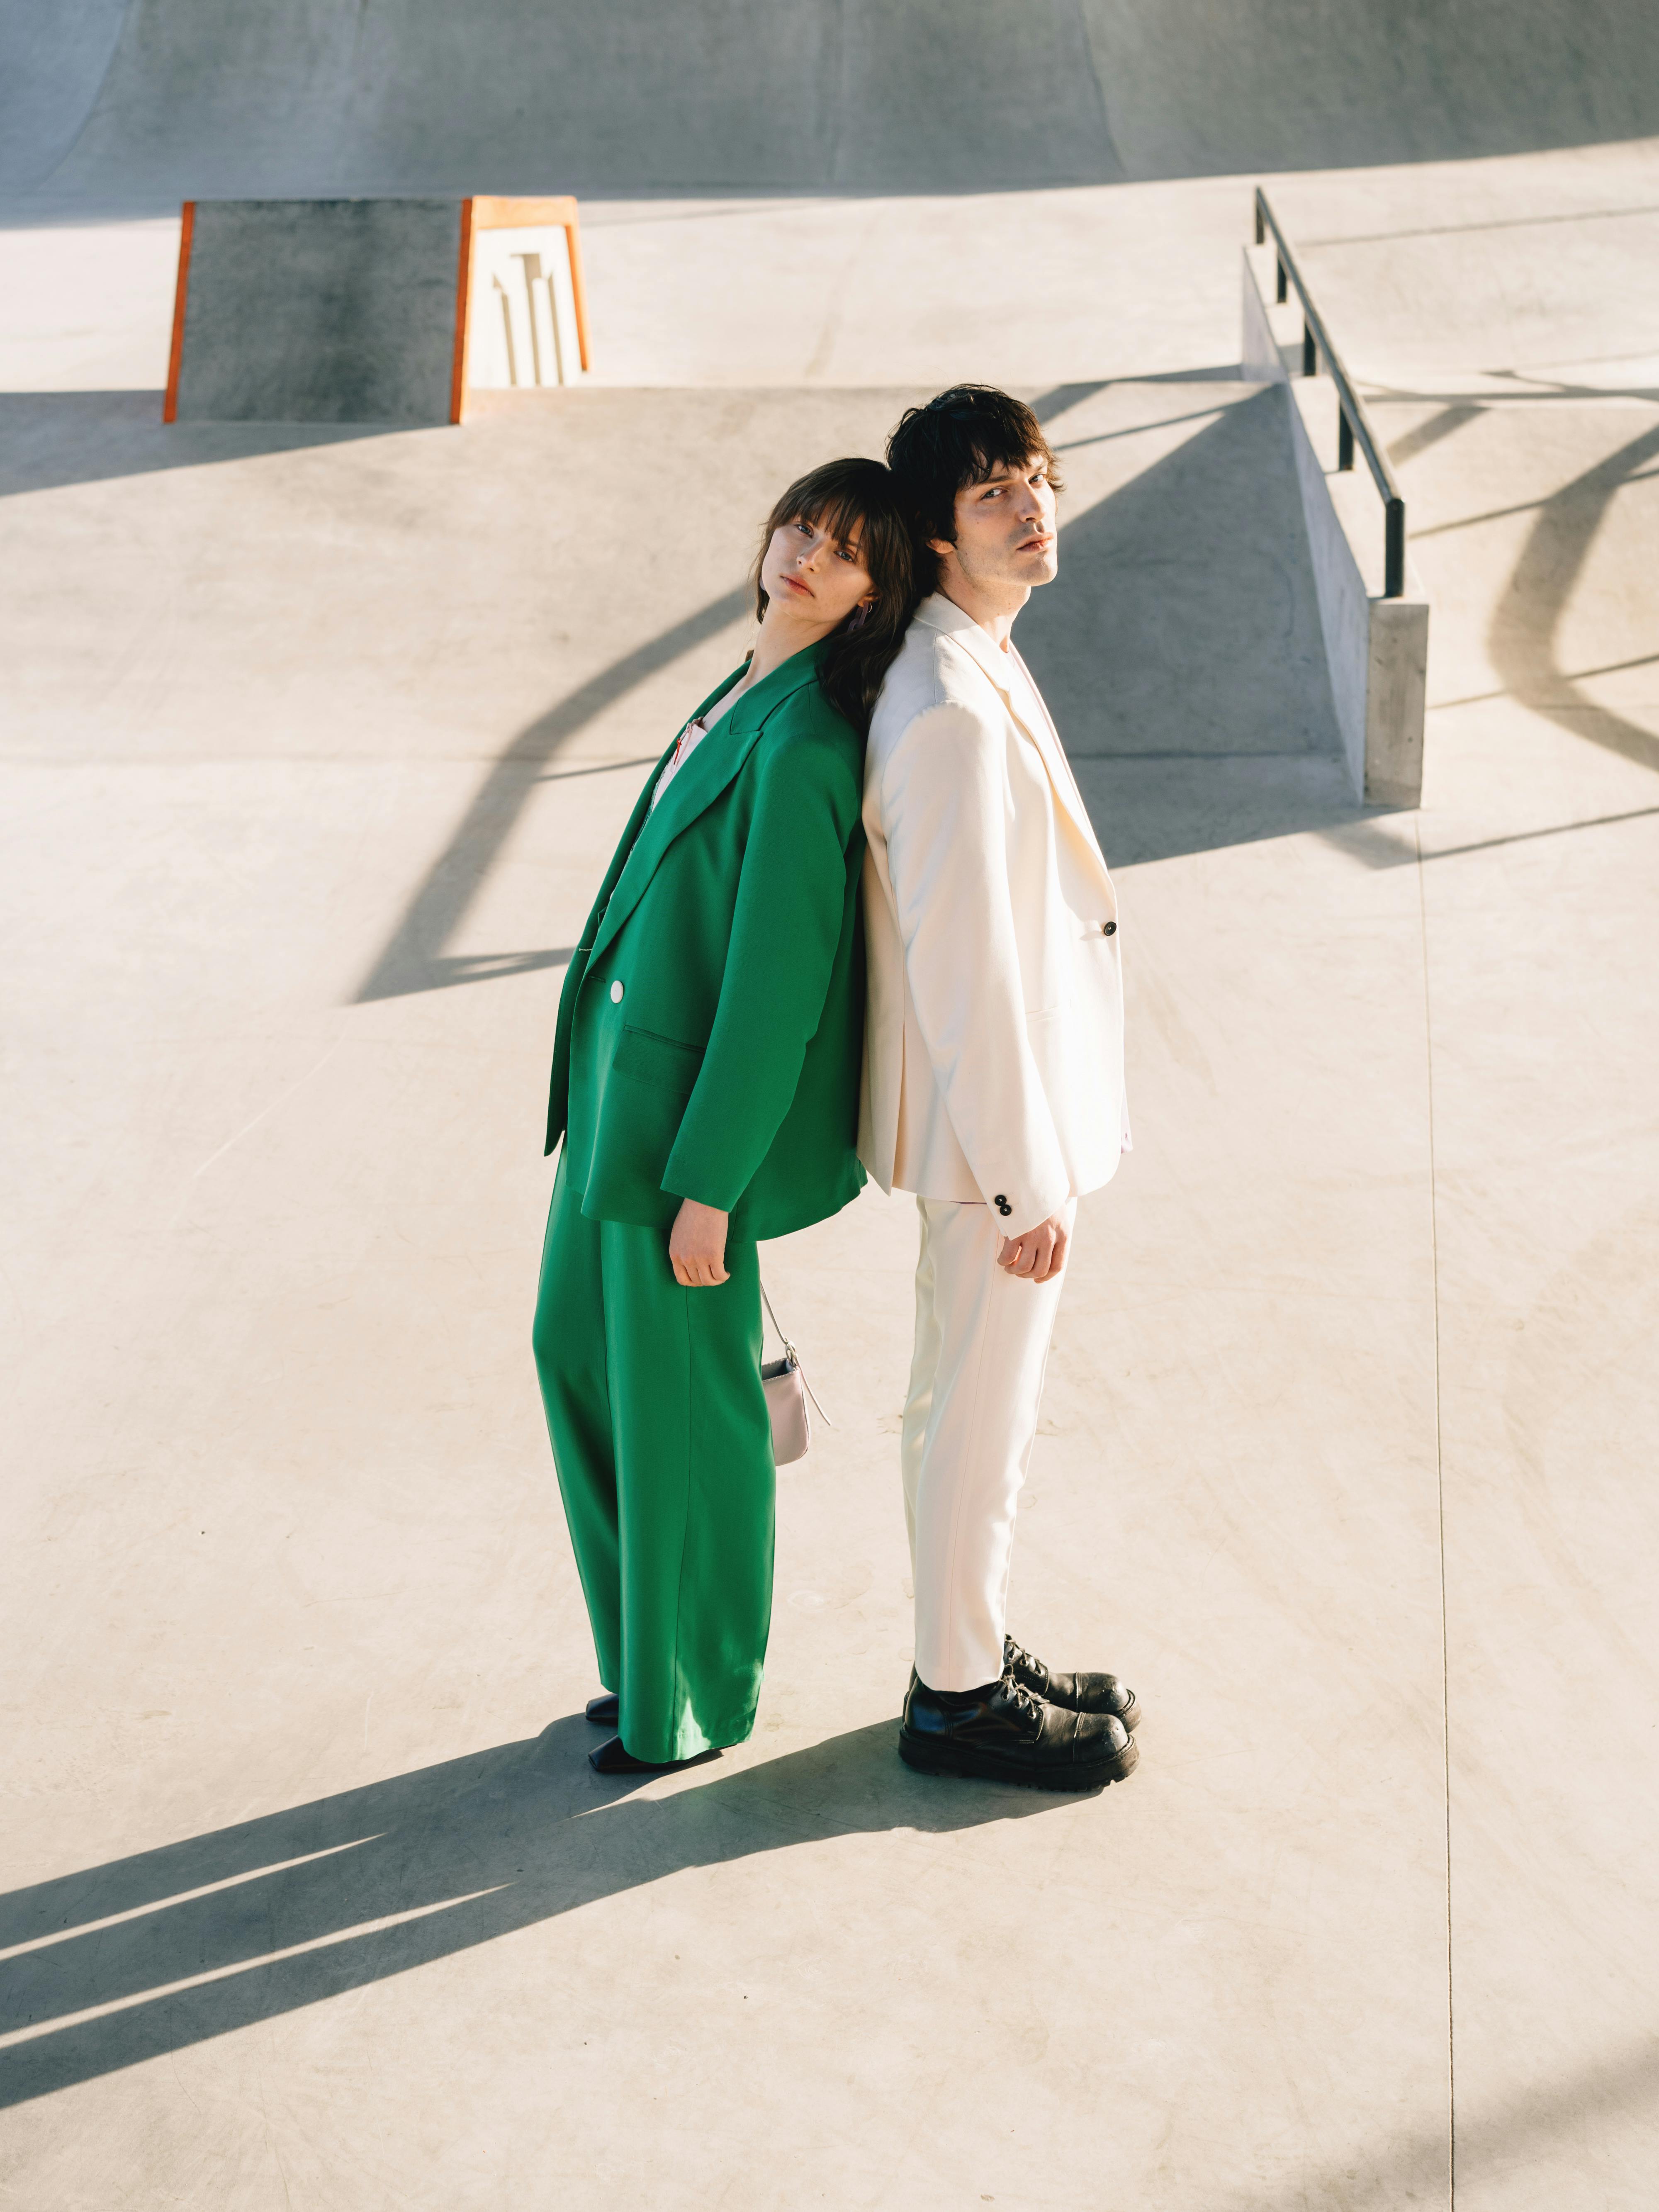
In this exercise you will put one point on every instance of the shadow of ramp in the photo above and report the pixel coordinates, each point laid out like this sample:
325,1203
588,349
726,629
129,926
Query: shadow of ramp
52,439
1184,620
1158,810
1181,650
309,1903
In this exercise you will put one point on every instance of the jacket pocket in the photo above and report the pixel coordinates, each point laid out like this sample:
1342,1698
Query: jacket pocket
663,1061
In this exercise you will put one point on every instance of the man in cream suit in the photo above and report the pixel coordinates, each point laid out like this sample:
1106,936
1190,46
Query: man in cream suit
993,1080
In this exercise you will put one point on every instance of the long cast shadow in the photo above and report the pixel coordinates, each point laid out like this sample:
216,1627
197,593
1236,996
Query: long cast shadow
1524,637
1185,618
414,957
400,1873
1166,623
50,439
1181,652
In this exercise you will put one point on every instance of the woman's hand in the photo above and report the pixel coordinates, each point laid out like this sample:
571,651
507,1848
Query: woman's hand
697,1245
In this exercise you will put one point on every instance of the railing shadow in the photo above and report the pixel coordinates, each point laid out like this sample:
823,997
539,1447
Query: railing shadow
303,1905
1524,640
414,957
1185,625
1181,650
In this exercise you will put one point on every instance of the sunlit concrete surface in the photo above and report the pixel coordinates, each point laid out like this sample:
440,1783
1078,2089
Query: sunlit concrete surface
1539,536
1522,412
288,929
314,743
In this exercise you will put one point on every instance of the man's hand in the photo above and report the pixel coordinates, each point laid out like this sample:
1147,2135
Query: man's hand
697,1245
1037,1255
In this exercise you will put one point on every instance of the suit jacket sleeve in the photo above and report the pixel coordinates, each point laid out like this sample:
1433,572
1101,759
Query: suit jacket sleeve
786,927
943,807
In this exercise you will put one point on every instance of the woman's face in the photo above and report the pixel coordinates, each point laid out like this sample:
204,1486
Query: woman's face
814,577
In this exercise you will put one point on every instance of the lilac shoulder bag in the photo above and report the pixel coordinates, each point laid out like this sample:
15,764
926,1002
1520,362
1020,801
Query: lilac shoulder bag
789,1398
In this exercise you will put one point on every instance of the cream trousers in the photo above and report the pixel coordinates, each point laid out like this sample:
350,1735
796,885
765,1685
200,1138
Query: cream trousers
982,1339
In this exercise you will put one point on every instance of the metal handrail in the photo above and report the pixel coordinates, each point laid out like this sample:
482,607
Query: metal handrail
1353,424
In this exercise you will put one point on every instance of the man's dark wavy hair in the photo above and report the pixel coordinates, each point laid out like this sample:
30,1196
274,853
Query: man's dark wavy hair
855,499
961,438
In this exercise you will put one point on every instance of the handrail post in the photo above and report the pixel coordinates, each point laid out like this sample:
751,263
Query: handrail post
1354,426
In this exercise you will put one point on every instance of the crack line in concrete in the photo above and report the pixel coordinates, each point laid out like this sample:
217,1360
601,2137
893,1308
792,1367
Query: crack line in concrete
1440,1493
1498,222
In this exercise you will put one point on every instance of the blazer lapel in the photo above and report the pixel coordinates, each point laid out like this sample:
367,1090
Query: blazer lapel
1046,738
712,767
944,614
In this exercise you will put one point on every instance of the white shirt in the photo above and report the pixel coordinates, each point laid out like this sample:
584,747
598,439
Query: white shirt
693,735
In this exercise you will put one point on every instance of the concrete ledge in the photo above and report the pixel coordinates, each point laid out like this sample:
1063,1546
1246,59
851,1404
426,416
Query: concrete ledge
1377,648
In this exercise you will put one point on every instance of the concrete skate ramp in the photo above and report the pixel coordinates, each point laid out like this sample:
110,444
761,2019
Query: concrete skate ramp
320,311
419,96
52,61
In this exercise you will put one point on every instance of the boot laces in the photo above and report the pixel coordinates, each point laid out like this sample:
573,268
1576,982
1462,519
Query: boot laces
1024,1704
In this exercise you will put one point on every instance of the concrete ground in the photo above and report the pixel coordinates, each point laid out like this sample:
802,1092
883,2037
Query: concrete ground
315,742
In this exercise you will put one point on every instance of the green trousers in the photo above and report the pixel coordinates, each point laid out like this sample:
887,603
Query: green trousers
664,1450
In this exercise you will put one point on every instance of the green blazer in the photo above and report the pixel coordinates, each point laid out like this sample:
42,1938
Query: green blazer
711,1027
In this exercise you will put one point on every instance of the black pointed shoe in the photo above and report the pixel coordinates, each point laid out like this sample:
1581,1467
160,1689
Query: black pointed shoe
1004,1733
1078,1694
613,1757
606,1710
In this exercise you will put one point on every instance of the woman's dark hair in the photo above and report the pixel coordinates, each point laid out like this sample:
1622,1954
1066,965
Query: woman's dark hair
959,439
856,500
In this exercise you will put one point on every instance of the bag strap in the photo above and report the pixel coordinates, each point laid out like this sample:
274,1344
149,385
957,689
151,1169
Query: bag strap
777,1330
790,1351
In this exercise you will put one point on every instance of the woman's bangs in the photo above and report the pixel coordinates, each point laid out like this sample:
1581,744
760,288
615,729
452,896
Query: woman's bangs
842,513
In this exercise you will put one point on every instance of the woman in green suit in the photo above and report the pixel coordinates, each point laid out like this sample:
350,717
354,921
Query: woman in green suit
705,1082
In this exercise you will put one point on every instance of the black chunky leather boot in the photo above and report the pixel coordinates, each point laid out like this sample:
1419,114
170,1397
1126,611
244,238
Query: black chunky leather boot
1002,1733
1078,1693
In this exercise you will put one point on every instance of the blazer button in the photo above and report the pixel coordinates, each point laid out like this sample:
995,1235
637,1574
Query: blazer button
1108,929
1001,1205
616,994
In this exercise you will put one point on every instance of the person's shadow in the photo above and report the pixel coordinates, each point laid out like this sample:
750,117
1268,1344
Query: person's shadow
279,1912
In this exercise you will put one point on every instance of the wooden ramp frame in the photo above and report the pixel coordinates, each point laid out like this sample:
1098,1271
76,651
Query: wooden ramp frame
488,211
484,211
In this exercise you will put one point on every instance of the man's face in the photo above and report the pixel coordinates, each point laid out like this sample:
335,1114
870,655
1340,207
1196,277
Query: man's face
1005,535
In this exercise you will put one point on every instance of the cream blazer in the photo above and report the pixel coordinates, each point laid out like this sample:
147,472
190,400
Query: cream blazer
994,1046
